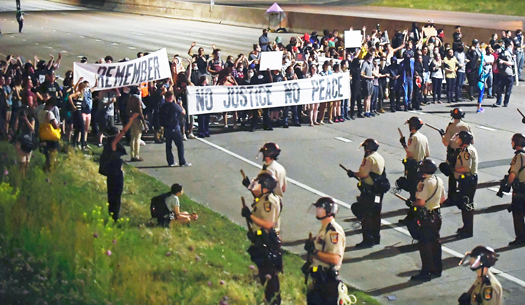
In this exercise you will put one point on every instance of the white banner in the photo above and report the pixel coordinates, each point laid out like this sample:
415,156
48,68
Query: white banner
149,68
271,60
214,99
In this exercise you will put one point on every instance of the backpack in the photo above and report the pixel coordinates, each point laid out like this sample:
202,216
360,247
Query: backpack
158,207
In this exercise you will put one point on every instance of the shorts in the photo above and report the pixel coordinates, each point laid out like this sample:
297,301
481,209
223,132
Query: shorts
23,155
426,78
368,88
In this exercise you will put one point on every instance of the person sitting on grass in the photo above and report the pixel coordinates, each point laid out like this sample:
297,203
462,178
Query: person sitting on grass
173,204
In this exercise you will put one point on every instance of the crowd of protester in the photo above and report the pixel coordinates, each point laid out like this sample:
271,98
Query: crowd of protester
406,72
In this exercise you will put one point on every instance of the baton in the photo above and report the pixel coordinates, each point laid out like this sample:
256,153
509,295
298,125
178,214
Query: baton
346,170
441,132
400,197
521,113
243,176
248,223
308,257
400,133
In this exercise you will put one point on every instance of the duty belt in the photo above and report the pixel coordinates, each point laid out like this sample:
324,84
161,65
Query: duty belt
434,211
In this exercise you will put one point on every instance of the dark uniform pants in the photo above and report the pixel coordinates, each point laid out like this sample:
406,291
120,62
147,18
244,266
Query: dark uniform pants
174,135
467,190
429,244
323,293
518,207
371,223
115,185
271,293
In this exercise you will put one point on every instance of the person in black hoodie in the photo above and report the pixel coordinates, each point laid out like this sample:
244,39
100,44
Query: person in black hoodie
355,85
472,72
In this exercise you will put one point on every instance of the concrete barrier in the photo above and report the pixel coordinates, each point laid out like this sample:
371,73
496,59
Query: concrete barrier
299,22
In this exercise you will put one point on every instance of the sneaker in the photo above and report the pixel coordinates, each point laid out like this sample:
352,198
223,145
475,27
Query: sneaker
365,244
187,164
226,126
321,123
99,145
381,110
330,122
496,105
184,138
191,136
139,159
172,165
480,110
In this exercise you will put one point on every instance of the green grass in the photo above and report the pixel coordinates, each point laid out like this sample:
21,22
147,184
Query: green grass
498,7
55,236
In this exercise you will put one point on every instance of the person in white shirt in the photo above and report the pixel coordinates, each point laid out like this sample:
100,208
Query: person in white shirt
173,204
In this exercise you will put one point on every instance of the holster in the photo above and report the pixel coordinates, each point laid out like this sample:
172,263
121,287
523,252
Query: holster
322,275
265,250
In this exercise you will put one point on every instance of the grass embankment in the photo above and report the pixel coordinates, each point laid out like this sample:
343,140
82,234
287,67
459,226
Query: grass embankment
57,245
500,7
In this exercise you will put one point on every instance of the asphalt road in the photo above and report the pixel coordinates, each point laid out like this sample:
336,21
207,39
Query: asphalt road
310,154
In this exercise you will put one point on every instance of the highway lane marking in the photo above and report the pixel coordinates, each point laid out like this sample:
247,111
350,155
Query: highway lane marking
346,205
139,34
486,128
343,139
132,48
416,112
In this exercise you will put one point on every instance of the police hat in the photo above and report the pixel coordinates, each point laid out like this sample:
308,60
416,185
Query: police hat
484,257
328,204
457,113
370,144
271,150
267,181
427,166
465,137
475,41
415,122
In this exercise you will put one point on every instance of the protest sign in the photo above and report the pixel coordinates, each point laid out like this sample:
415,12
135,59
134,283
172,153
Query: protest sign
271,60
215,99
148,68
353,39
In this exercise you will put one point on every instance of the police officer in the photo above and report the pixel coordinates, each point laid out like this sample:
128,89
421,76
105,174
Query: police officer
370,199
265,251
430,194
516,178
466,173
486,290
326,251
417,149
452,148
270,153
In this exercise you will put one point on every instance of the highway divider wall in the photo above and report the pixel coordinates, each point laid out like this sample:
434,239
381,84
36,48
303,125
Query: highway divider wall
298,22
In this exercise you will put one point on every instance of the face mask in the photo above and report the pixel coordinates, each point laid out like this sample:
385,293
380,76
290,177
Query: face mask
250,74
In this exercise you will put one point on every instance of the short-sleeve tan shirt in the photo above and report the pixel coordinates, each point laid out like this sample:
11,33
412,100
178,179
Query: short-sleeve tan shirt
467,157
278,171
372,163
517,163
426,189
332,240
418,146
454,128
268,207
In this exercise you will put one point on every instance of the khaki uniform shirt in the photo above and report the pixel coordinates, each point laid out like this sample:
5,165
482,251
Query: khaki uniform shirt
374,163
331,240
489,294
268,207
517,163
454,128
467,157
425,191
418,146
278,171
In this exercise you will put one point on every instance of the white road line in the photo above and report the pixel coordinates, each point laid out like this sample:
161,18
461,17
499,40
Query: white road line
343,139
138,34
132,48
416,112
115,44
486,128
346,205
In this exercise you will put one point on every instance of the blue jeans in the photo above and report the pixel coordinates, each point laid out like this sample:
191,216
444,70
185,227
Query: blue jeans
460,80
344,108
451,86
505,85
174,135
373,103
408,87
295,114
204,124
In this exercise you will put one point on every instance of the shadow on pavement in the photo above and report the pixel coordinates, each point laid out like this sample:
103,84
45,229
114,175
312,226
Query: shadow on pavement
494,163
492,209
387,251
448,263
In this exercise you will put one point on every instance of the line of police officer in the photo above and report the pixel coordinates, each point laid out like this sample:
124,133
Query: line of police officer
427,194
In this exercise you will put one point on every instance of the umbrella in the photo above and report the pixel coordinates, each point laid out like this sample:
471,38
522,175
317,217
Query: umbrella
275,15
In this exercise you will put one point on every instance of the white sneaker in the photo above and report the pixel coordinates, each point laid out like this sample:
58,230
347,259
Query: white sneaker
191,136
184,138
